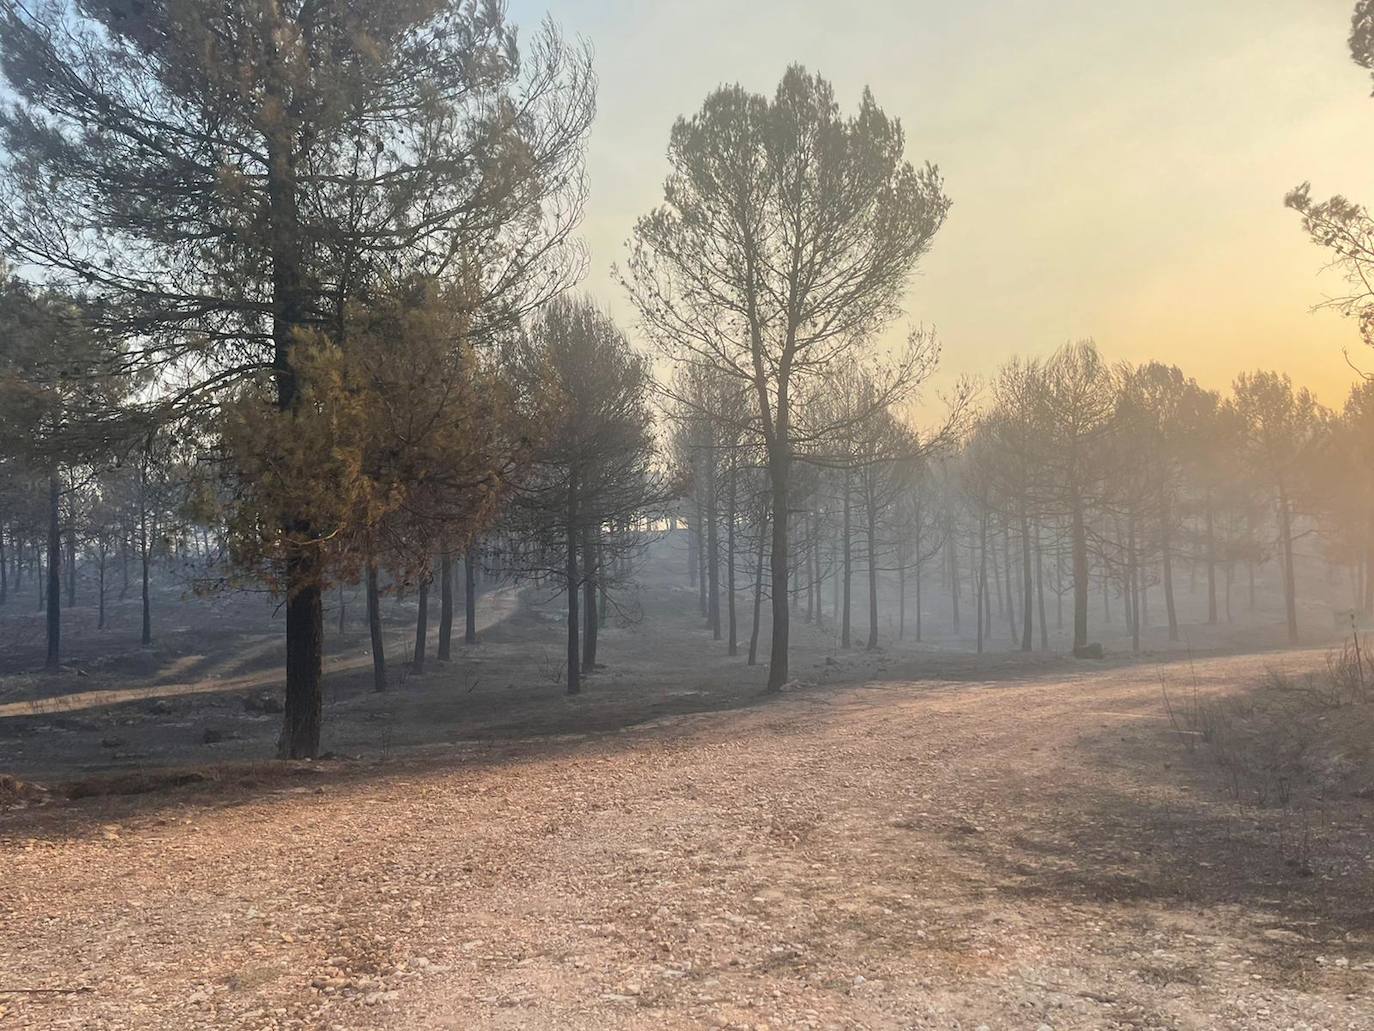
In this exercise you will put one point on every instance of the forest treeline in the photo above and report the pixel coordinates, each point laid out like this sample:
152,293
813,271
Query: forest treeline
289,304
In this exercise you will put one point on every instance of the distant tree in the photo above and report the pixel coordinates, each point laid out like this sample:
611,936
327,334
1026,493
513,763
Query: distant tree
60,394
1075,405
1280,430
593,473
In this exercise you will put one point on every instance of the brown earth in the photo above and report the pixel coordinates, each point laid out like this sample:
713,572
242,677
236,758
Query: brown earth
997,843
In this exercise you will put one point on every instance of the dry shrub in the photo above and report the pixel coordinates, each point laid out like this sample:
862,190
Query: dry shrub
1310,735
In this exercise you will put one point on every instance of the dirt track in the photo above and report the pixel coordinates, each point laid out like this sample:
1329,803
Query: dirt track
946,855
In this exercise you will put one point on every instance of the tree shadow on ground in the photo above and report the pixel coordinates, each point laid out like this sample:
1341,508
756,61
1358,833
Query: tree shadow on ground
1159,832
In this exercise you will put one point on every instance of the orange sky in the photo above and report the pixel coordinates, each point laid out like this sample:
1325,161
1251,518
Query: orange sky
1117,169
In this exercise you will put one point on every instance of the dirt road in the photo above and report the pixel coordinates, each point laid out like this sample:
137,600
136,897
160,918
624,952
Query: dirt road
1011,853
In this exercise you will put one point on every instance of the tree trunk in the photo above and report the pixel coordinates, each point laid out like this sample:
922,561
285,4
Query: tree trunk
1027,586
779,468
1011,594
848,564
470,595
573,585
917,576
702,589
417,664
982,585
1211,565
54,592
872,572
304,687
100,583
758,584
71,567
1133,588
1079,544
730,559
712,548
374,629
305,605
4,572
1290,591
691,552
592,568
146,637
952,549
901,594
445,605
1166,554
1040,590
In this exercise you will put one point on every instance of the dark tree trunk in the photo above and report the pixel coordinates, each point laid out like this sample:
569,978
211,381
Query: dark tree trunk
1027,587
1133,588
573,586
304,660
305,605
982,585
703,591
779,467
445,605
71,567
591,573
835,583
470,595
1040,590
100,584
417,664
1166,553
808,559
1290,590
374,629
712,547
872,572
901,593
952,549
848,564
758,584
730,559
1011,597
997,583
692,550
146,637
1211,565
1079,544
54,592
916,575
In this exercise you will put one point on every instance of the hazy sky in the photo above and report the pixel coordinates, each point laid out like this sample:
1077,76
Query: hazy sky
1117,168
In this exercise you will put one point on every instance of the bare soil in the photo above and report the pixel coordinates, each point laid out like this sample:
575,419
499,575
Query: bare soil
921,838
